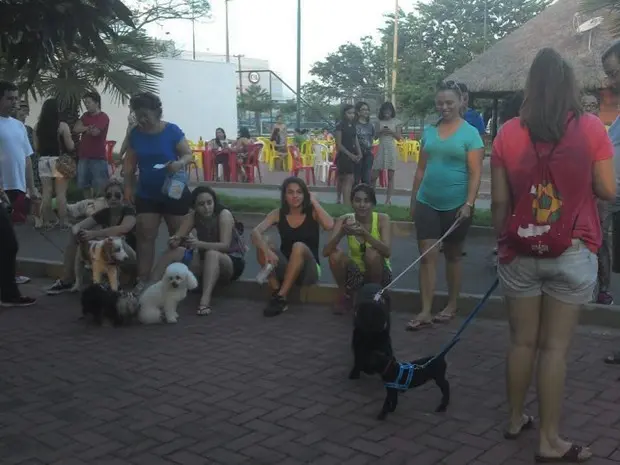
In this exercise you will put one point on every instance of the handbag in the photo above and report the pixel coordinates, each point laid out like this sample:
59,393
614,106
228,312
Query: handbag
65,164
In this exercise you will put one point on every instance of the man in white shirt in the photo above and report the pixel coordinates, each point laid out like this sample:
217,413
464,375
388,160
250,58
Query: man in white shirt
15,180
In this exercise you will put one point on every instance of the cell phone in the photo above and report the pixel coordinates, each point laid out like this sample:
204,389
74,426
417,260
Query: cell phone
385,127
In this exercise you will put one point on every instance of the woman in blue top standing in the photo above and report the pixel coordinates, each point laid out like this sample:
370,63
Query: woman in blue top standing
445,188
160,152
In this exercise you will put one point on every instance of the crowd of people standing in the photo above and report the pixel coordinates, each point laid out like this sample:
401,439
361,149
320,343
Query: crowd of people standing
553,173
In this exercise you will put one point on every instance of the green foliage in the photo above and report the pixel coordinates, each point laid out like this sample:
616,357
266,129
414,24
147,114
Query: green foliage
34,34
255,99
437,38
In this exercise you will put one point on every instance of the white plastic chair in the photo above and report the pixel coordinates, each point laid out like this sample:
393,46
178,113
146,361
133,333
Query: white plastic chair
321,161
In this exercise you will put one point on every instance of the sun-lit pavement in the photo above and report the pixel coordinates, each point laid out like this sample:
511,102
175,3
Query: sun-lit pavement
235,387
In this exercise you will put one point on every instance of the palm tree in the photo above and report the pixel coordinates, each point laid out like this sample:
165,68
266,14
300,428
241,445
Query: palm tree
257,100
34,32
612,16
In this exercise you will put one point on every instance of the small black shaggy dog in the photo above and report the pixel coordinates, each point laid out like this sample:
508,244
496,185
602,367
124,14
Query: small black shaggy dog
371,329
102,303
399,376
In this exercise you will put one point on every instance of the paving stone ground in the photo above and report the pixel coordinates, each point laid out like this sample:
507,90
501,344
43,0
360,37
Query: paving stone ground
236,388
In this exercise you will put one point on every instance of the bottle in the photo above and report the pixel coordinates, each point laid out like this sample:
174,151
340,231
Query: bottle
264,273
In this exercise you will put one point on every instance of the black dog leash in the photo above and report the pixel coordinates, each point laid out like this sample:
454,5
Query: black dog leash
406,370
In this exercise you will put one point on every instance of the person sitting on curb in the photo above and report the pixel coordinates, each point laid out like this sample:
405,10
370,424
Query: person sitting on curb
115,220
297,261
218,248
368,236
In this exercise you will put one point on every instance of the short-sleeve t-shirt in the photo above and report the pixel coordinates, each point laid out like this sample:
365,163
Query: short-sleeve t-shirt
365,135
94,147
349,133
14,149
151,150
512,151
104,219
446,178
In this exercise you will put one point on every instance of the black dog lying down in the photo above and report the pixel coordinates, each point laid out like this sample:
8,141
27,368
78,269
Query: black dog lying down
100,302
399,376
371,331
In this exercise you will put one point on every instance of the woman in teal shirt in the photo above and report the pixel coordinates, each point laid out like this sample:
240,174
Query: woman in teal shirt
445,188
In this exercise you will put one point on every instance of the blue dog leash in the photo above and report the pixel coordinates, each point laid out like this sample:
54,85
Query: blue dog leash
406,370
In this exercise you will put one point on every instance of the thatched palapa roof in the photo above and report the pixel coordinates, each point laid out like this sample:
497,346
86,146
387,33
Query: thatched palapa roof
503,68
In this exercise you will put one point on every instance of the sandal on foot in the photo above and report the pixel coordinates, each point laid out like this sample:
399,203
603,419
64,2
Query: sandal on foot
527,425
613,359
203,310
416,325
444,317
572,455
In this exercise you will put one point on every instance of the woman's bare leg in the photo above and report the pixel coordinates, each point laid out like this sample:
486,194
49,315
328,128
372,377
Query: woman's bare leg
390,187
454,254
217,267
147,227
338,262
428,277
60,185
273,282
46,199
347,186
524,320
168,257
339,185
299,254
557,326
374,266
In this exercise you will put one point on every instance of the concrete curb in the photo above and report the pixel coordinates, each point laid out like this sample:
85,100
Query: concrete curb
325,294
222,186
399,228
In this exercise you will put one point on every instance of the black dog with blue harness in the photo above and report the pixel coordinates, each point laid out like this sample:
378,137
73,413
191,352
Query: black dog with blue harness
399,376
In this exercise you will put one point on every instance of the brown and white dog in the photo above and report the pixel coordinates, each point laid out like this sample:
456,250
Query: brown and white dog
84,208
104,257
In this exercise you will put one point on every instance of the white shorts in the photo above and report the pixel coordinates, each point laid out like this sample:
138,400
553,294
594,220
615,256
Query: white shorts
569,278
47,168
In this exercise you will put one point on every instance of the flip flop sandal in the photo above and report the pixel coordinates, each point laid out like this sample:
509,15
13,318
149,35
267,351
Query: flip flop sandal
528,425
417,325
203,310
572,455
613,359
443,317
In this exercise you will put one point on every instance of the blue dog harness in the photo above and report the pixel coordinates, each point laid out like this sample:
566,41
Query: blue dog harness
187,257
406,370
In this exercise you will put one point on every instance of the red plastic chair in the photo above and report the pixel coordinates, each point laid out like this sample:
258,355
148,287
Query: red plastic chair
333,170
109,154
251,166
299,166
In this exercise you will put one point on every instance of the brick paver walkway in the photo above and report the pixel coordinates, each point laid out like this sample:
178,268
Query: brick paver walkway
237,388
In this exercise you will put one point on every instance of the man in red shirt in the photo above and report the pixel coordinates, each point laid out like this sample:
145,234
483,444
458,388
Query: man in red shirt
92,170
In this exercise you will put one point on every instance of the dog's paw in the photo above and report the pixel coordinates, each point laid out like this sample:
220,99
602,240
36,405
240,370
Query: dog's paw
172,319
354,374
441,408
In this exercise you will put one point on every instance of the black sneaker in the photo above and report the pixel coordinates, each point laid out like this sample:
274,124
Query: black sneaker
21,301
59,287
277,305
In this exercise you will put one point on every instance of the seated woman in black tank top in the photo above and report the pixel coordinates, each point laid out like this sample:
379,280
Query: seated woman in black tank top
297,260
216,251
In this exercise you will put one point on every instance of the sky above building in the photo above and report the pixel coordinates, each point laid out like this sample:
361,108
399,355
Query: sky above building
267,29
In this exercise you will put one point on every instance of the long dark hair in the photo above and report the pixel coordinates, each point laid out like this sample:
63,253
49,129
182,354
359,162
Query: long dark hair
386,106
551,93
306,206
343,112
47,127
358,107
217,206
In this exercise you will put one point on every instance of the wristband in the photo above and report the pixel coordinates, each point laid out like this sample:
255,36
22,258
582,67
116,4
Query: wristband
470,205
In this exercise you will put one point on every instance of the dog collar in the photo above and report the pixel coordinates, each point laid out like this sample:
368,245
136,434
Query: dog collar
404,377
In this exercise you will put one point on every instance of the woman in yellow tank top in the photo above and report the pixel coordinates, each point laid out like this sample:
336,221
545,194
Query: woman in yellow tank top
368,236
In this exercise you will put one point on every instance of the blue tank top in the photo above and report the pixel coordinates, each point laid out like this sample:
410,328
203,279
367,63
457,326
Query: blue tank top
151,150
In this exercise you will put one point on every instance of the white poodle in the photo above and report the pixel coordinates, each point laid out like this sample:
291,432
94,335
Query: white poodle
164,296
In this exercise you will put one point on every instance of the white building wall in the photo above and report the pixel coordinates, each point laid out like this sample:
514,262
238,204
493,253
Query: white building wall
199,96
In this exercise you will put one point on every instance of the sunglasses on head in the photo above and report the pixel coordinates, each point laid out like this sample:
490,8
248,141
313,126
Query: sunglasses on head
116,195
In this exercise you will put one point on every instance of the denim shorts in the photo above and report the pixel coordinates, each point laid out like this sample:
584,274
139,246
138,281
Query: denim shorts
92,173
569,278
